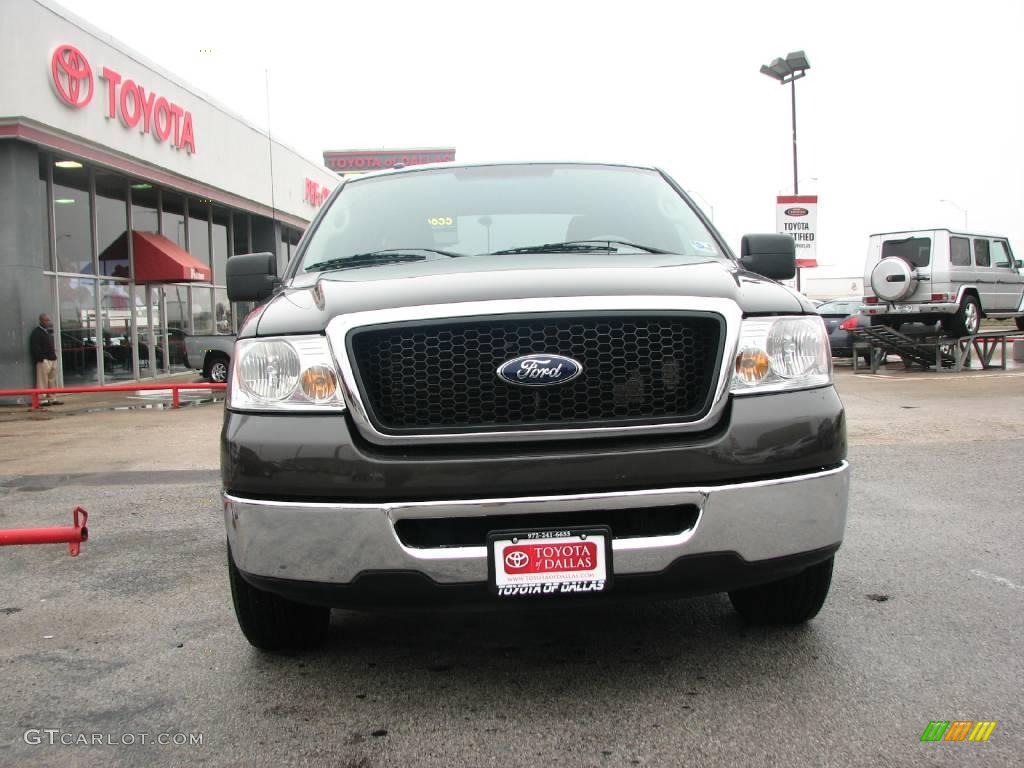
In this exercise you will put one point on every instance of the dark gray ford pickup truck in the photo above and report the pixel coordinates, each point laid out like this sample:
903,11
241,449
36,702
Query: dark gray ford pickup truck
526,382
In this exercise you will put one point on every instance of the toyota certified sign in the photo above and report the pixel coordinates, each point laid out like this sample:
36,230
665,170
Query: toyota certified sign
131,103
797,216
72,76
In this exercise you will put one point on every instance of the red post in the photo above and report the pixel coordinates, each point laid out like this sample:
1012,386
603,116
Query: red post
35,401
73,535
175,397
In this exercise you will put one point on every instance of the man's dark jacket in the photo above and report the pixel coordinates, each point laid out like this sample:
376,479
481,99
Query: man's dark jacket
41,344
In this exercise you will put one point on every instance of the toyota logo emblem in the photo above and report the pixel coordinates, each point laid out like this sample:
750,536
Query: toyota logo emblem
72,76
517,559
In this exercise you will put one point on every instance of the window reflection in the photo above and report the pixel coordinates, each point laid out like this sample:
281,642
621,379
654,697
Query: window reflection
199,230
77,297
145,217
71,219
241,233
116,330
112,225
174,218
202,311
220,245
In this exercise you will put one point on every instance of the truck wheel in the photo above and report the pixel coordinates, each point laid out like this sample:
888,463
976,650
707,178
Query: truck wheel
792,600
967,319
217,368
272,623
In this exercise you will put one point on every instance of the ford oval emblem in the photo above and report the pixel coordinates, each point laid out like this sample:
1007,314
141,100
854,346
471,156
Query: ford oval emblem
539,370
796,211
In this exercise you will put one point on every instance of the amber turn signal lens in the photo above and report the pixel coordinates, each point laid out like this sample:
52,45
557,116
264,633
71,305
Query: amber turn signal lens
319,383
752,365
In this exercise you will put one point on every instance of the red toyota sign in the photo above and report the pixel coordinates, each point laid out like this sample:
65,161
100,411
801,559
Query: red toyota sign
550,557
360,160
127,100
72,76
316,193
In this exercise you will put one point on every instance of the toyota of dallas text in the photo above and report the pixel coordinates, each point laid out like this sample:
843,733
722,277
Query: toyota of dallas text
504,384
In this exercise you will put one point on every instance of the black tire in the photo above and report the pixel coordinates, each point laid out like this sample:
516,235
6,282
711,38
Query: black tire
1020,322
792,600
217,368
272,623
967,315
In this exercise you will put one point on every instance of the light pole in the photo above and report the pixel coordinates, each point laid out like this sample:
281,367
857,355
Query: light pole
805,178
711,208
786,71
962,210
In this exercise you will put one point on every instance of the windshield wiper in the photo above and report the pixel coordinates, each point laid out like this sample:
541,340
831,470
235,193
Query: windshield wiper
385,256
578,246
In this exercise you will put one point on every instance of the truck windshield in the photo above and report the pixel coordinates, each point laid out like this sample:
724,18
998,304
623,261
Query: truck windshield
505,209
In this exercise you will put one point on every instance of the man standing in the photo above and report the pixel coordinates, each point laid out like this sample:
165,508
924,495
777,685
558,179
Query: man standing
44,356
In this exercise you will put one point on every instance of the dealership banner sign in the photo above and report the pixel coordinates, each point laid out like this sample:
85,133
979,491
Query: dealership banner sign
797,216
360,161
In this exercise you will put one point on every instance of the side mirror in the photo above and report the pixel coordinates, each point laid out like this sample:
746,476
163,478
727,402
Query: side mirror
252,277
772,256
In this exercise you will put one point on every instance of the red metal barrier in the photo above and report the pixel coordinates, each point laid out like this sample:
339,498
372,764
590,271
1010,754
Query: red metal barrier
73,535
175,390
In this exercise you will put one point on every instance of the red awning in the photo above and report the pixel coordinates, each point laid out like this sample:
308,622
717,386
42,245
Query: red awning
159,260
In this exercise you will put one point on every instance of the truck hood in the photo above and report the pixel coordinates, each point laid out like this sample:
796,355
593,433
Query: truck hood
310,301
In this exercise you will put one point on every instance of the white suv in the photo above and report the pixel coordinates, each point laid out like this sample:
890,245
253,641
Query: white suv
928,275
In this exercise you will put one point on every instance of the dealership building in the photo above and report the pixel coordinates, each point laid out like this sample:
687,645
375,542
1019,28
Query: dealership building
123,193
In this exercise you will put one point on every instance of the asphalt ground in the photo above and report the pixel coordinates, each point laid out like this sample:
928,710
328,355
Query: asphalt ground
136,637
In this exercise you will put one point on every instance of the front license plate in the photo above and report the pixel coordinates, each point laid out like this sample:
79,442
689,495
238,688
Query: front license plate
905,308
550,562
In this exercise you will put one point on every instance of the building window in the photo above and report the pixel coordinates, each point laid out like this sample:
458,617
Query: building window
76,298
173,214
221,222
112,225
202,311
242,233
199,230
72,217
145,208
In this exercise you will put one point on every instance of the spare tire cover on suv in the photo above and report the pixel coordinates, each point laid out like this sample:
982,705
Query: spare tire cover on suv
893,279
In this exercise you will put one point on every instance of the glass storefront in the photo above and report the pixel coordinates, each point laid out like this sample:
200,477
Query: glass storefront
110,329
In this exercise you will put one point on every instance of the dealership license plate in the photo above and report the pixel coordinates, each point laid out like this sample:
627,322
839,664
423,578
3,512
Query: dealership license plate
550,562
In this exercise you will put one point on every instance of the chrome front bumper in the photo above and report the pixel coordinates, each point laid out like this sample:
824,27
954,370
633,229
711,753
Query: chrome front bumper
333,543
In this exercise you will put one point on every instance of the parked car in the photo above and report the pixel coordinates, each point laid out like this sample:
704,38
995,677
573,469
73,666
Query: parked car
210,354
460,391
937,275
841,316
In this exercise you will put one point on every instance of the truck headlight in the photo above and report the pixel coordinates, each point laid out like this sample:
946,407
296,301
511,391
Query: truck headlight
780,353
285,373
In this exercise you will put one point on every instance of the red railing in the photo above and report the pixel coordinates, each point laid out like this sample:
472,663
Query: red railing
72,535
175,390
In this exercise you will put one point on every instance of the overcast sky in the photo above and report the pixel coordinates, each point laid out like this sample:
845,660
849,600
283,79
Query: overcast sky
906,103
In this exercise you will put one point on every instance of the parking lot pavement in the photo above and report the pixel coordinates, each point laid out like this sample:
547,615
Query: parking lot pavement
136,638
